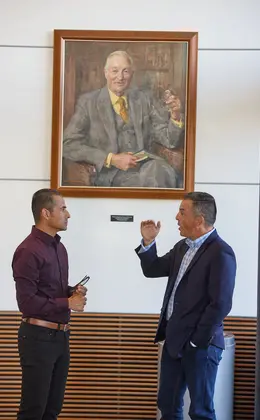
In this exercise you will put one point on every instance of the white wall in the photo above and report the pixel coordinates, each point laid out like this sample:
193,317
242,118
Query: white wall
227,152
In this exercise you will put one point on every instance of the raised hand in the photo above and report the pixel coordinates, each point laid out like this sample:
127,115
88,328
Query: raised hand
149,231
173,103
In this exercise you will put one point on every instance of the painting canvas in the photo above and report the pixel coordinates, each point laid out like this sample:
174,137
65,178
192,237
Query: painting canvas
124,113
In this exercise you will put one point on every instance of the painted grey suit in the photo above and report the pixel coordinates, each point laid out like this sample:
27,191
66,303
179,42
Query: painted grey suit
91,134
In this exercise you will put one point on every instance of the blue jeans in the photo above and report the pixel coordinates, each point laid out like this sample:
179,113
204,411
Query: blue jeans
197,370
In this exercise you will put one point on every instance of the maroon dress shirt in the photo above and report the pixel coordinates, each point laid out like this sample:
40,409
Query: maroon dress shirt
40,270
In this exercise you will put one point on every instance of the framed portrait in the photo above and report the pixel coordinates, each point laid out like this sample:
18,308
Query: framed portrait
124,113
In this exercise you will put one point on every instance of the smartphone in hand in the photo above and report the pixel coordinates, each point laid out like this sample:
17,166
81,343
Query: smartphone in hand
81,283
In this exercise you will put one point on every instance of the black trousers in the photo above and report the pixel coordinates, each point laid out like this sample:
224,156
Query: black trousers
44,357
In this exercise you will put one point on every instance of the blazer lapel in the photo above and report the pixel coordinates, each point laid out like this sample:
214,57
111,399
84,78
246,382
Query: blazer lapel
106,115
176,265
203,247
135,108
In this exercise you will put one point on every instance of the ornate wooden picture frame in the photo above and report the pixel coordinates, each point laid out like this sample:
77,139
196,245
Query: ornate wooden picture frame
124,113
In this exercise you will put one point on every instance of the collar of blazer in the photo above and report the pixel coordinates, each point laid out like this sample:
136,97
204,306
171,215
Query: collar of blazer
184,247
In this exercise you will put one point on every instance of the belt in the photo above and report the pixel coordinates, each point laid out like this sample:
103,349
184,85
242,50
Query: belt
47,324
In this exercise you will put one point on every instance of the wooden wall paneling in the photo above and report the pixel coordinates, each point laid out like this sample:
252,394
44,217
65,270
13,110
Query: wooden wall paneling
113,371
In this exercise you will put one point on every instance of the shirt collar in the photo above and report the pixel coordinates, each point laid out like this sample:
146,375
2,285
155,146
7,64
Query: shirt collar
114,98
45,237
199,241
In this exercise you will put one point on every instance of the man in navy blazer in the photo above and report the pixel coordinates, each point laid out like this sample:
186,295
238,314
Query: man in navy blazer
201,273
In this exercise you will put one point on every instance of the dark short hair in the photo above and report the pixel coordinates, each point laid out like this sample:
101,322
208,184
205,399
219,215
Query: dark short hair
203,204
43,199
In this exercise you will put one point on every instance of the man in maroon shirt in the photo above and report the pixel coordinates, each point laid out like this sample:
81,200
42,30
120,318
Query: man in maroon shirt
40,270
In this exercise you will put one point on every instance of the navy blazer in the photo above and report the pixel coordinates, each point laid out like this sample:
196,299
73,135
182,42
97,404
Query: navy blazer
203,297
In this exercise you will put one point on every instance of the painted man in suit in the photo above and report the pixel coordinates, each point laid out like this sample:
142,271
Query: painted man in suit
112,123
201,273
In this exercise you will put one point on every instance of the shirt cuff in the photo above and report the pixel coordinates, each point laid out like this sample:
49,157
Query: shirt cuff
145,248
108,160
62,304
177,123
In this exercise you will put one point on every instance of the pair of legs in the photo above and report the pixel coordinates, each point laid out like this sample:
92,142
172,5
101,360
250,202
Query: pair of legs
44,358
197,370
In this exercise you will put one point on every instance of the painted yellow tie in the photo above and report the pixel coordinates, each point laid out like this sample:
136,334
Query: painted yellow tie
123,110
